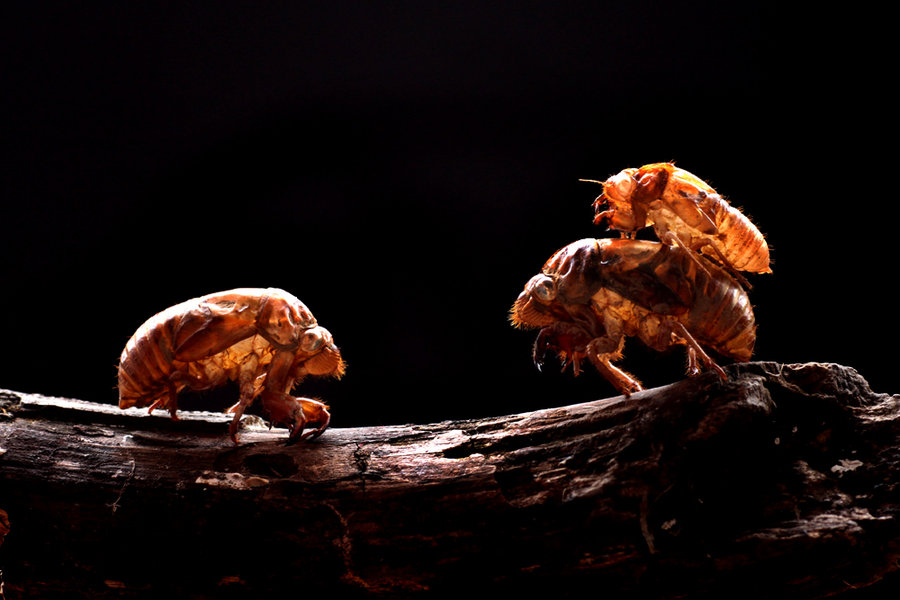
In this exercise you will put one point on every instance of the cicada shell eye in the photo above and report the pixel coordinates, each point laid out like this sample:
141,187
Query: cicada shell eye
313,339
543,288
620,187
534,306
328,362
528,313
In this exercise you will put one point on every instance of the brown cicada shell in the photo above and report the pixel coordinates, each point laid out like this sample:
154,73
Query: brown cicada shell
264,339
683,209
594,293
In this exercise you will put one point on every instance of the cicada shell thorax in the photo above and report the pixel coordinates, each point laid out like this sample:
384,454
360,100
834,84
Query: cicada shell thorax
282,318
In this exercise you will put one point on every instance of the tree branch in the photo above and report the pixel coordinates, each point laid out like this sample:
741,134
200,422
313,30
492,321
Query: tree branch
778,482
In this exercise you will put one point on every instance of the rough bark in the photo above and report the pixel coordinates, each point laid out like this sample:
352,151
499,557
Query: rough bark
780,482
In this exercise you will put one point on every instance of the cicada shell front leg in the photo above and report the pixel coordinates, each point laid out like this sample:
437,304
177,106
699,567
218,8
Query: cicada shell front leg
296,413
573,344
567,340
315,354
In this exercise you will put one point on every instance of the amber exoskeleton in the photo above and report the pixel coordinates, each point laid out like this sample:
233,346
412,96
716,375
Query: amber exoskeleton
264,339
684,209
593,293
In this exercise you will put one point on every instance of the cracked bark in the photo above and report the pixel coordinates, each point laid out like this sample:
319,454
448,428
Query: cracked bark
780,482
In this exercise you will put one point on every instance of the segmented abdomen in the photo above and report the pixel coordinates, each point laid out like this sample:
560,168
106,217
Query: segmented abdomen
148,367
739,240
146,362
722,316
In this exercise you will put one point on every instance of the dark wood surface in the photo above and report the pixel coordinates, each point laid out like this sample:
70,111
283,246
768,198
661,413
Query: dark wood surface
780,482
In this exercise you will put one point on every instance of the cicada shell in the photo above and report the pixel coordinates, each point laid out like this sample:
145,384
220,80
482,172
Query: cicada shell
264,339
593,293
684,209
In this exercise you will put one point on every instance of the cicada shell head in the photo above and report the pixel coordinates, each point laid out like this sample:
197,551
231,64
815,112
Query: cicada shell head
318,355
626,198
535,305
614,205
619,188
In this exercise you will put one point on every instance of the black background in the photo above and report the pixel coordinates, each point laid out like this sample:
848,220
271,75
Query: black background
405,167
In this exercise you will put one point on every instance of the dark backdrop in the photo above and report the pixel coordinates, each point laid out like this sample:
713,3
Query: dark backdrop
405,167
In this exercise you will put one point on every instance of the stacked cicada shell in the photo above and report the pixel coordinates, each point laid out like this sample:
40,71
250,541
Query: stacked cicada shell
685,289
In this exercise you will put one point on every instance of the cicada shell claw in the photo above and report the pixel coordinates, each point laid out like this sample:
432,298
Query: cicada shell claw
308,411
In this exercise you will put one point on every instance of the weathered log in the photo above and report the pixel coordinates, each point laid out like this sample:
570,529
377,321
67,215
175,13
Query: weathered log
780,482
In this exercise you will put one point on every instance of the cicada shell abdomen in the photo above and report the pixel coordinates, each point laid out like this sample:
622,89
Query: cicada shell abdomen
146,363
739,240
721,315
200,343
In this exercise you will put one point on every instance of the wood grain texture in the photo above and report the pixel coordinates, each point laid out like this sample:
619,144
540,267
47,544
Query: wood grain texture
780,482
